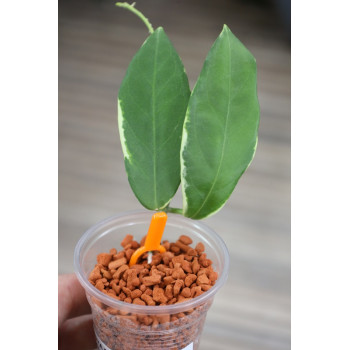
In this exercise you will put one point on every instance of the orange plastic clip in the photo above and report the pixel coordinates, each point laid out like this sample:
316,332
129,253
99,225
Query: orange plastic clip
154,237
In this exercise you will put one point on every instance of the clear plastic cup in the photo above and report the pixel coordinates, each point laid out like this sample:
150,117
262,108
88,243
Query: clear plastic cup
119,325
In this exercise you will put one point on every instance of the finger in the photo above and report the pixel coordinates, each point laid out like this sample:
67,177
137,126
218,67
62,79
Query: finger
72,300
77,333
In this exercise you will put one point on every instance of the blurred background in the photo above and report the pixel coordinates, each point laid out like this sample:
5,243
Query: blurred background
96,43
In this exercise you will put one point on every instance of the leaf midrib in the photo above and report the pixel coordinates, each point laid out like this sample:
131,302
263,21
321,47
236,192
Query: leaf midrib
224,141
154,122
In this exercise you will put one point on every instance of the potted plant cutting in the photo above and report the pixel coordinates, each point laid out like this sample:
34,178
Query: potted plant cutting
203,140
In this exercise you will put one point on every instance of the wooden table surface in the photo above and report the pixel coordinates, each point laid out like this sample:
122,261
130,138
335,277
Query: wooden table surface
96,43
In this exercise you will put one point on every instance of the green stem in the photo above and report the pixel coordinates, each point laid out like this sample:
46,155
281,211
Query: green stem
137,13
175,210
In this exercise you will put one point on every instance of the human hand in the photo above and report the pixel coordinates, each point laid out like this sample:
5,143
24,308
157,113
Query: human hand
75,327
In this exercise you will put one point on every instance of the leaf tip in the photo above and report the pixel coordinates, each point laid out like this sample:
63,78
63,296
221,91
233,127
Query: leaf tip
226,29
159,29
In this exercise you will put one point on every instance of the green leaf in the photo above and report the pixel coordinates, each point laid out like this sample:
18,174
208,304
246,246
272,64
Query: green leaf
152,104
221,126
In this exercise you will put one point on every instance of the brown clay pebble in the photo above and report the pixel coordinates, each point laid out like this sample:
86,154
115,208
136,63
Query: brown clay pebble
172,301
203,279
195,266
169,291
113,251
181,299
203,271
158,295
128,253
178,259
104,259
178,273
174,248
166,245
128,239
135,245
148,291
182,246
186,266
95,274
156,259
202,259
200,248
168,280
151,280
190,279
119,255
113,265
138,301
177,286
205,287
122,283
127,291
99,285
195,291
186,292
185,240
148,299
136,293
119,273
192,252
128,246
116,288
112,292
106,274
213,276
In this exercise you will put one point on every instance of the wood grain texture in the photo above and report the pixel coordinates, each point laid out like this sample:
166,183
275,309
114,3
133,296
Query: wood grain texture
96,43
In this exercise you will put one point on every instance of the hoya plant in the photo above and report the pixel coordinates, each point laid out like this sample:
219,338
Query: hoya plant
203,140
